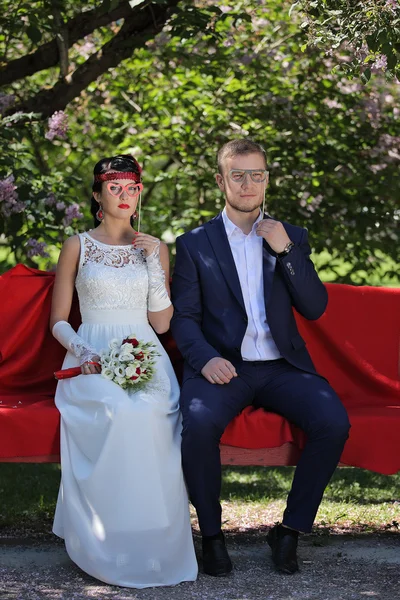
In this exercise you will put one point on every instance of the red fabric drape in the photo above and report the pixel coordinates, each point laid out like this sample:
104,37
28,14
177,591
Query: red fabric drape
355,345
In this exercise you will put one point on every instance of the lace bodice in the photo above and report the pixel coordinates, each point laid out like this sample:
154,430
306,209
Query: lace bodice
111,277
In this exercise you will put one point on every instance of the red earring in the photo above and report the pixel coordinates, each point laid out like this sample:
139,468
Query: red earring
134,215
100,215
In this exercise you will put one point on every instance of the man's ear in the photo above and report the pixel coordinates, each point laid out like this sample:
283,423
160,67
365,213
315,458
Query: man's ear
220,182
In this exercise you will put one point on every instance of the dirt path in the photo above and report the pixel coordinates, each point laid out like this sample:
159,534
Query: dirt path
338,567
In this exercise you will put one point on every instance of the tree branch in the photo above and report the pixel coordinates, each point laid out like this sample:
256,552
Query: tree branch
77,28
133,34
61,39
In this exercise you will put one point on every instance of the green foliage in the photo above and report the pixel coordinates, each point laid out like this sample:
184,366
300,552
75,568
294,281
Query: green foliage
213,74
354,497
366,31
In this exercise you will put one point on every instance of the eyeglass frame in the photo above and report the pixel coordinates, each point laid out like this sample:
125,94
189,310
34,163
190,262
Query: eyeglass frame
248,172
124,189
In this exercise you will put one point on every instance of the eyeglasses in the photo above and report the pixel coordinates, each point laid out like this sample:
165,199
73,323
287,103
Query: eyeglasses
132,189
239,175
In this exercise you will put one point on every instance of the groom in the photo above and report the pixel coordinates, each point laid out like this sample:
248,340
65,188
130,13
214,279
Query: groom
235,283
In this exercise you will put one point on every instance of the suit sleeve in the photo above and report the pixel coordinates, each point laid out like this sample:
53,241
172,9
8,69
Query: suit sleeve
308,293
188,312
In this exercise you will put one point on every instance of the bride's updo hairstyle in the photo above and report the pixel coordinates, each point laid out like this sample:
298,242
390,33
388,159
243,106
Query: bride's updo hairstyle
125,163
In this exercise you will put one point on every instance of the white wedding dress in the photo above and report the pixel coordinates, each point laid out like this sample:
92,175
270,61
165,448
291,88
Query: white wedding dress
122,507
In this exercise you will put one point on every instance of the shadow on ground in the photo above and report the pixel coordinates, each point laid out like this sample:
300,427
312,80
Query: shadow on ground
333,567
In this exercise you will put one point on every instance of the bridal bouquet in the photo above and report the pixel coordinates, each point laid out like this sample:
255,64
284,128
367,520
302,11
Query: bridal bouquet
129,363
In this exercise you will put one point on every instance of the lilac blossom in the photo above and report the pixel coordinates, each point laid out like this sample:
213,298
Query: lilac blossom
60,205
50,200
9,202
87,48
72,212
392,5
58,125
311,204
332,103
380,62
36,248
6,100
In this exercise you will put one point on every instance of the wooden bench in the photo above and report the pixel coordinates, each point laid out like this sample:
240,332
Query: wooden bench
355,345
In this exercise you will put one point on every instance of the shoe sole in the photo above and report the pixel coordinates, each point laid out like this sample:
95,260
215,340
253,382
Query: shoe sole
221,574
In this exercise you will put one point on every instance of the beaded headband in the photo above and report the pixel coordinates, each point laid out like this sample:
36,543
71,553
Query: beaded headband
117,175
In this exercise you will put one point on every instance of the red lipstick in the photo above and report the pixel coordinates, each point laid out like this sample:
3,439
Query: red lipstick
123,205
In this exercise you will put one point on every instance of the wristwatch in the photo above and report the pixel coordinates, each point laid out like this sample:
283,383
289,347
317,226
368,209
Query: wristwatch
288,248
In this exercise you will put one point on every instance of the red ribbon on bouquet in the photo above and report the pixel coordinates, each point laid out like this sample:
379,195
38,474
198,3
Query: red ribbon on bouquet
72,372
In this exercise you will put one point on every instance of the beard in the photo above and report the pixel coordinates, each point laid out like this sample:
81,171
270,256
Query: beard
242,206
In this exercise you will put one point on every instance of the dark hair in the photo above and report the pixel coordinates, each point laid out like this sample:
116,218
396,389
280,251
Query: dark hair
237,147
125,163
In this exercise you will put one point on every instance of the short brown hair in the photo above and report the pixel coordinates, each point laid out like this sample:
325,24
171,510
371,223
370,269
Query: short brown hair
237,147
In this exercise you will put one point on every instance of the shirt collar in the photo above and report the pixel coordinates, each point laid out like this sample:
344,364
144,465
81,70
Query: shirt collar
231,228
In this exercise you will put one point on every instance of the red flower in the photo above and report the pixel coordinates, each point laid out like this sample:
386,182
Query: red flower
139,356
132,341
138,371
134,377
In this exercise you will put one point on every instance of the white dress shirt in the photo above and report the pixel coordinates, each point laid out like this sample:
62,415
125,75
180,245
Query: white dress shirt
247,251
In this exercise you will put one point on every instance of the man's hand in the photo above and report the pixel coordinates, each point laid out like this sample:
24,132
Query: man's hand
218,370
274,233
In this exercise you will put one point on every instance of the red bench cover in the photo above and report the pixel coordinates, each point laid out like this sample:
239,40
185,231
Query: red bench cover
355,345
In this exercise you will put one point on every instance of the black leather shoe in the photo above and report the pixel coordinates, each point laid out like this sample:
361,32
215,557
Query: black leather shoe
283,543
216,559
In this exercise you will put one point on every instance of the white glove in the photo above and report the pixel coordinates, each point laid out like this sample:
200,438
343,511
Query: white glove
158,295
71,341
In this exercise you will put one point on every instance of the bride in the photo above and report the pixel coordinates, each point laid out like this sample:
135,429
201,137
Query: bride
122,507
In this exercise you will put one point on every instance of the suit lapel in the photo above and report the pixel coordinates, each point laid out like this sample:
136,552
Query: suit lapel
216,233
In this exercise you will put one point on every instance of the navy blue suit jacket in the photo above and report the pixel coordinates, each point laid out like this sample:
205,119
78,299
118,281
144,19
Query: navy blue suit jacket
209,314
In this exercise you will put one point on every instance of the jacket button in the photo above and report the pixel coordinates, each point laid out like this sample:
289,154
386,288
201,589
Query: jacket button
237,349
245,320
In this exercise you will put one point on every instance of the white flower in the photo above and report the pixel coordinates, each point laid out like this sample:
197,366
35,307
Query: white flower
119,371
126,357
114,355
127,348
114,344
120,380
130,371
107,374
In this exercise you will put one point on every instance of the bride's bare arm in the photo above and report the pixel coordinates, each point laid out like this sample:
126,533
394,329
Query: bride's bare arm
160,320
61,307
65,281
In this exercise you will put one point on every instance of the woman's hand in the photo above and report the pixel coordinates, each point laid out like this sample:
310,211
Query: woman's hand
89,368
147,242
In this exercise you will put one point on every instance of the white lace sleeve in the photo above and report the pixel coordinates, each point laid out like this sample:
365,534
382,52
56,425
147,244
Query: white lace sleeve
158,295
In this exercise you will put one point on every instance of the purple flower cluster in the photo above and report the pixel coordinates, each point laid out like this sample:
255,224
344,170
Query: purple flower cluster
58,125
9,202
50,200
392,5
6,100
380,62
36,248
71,212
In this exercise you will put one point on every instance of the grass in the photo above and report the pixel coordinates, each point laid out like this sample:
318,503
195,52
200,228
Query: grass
252,497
